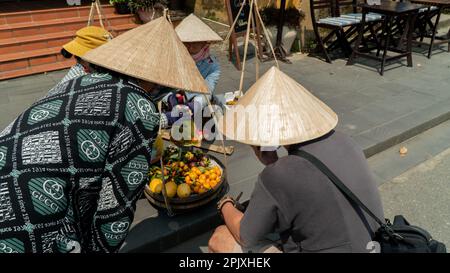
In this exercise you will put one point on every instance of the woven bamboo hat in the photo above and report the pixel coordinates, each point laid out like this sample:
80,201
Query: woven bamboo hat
275,111
152,52
192,29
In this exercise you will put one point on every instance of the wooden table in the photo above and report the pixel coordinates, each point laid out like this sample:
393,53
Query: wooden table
390,10
440,4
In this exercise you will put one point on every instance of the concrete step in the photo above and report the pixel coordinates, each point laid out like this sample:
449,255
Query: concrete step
23,29
41,41
36,69
34,38
21,63
9,18
24,57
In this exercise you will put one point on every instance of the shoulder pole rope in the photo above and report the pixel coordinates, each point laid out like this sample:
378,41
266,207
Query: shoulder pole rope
166,14
235,21
96,6
100,11
91,14
256,38
161,162
216,122
253,4
247,37
266,33
99,14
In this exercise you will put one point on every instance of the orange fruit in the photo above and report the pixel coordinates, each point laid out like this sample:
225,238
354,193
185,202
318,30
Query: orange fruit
171,189
213,176
156,185
183,190
193,176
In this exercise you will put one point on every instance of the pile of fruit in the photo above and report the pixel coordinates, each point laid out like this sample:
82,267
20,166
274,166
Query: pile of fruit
185,173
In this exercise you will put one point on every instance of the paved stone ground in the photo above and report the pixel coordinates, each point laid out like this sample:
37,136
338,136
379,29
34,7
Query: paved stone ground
377,111
422,196
16,95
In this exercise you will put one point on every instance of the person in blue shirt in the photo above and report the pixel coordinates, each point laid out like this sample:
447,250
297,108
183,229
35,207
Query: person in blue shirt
197,37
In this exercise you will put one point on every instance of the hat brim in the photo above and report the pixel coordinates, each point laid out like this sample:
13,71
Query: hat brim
187,40
76,48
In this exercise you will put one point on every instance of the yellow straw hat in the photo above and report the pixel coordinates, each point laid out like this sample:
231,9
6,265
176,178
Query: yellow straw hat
87,38
276,111
192,29
151,52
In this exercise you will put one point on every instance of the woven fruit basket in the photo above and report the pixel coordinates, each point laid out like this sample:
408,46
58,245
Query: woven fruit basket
193,179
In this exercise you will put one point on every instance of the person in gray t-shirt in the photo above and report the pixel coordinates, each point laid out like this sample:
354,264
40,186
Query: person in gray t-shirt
292,197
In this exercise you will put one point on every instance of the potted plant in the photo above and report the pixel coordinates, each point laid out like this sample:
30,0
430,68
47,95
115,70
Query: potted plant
291,26
148,9
121,6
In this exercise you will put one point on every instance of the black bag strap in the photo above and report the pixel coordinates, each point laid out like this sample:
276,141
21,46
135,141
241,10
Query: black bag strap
337,182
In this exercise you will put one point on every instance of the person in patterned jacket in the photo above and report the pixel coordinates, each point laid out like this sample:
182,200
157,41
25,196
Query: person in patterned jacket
73,165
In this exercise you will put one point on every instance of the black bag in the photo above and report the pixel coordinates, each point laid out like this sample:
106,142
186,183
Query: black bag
396,237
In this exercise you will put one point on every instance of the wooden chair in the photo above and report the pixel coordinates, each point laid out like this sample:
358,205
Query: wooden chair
341,26
425,27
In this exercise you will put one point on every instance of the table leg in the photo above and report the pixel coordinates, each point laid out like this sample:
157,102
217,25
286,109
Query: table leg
433,34
360,37
374,35
383,34
405,34
448,37
411,21
423,26
386,44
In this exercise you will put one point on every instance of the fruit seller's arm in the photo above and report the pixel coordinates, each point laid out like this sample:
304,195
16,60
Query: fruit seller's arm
232,218
260,218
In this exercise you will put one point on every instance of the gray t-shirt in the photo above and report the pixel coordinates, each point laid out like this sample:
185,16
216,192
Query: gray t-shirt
293,195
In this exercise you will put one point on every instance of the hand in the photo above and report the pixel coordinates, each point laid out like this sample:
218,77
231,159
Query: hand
179,112
177,98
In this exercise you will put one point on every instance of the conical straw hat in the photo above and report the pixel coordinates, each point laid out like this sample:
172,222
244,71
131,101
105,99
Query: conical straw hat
152,52
192,29
277,110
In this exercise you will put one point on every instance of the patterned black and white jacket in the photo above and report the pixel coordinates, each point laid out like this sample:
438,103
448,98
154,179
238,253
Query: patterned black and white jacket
73,165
